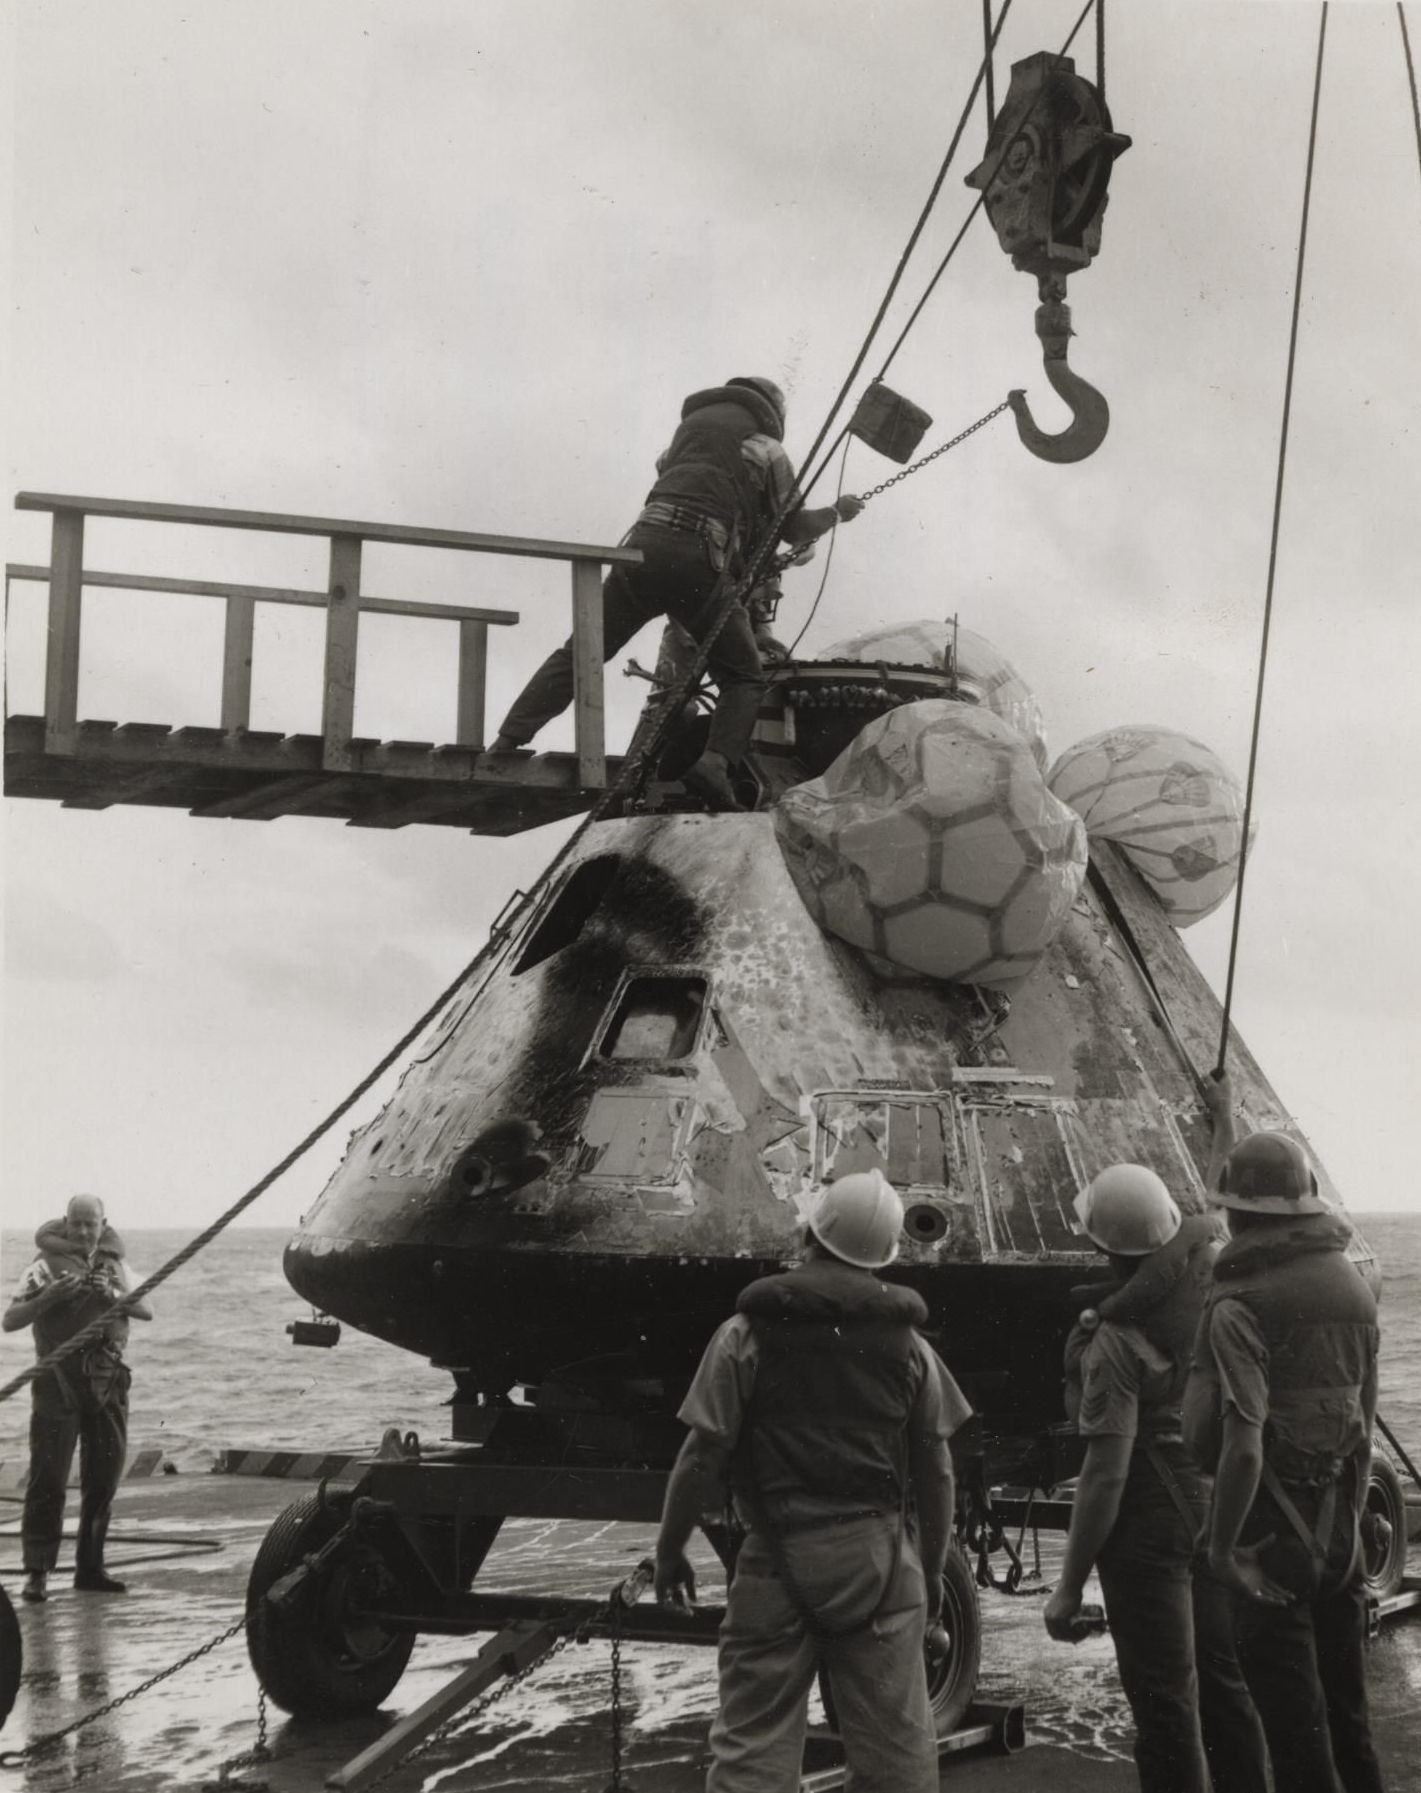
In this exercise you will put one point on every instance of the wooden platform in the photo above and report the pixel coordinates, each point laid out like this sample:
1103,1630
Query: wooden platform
233,770
257,777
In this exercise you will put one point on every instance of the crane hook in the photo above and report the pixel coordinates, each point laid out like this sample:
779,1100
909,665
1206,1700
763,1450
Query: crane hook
1090,413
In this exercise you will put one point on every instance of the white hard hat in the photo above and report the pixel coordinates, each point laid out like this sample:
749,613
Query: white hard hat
1127,1210
859,1218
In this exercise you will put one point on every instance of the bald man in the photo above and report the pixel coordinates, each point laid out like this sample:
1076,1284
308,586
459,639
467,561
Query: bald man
77,1277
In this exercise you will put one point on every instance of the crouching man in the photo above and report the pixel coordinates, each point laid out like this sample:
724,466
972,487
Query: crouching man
829,1417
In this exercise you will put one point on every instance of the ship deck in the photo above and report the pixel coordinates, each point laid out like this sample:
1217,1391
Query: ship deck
185,1544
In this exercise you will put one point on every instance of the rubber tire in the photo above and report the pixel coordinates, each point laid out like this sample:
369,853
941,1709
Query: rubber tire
1382,1571
952,1683
11,1656
308,1663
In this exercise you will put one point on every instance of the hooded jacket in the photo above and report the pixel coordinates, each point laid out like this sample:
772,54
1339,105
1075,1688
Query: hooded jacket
704,470
61,1254
833,1390
1318,1321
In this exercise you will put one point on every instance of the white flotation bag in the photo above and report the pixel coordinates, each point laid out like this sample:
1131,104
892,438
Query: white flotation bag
1169,803
933,842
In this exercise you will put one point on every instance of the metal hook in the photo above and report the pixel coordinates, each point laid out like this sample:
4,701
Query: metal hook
1090,413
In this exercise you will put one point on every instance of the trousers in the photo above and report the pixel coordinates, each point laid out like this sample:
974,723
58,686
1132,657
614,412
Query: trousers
876,1675
1195,1727
63,1414
1304,1663
676,579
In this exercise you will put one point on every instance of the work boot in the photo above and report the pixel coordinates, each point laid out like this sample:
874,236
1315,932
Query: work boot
98,1581
34,1588
709,779
502,744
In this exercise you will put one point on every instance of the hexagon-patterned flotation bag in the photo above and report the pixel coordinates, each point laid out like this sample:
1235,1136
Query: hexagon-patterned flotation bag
1169,802
933,842
987,674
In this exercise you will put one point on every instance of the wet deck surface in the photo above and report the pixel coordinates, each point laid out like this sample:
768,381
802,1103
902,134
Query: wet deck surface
185,1545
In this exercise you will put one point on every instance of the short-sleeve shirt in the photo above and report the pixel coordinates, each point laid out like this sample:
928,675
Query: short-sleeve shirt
719,1395
1235,1355
1125,1387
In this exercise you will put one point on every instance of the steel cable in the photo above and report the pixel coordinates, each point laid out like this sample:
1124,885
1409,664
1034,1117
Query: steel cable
1410,75
1273,544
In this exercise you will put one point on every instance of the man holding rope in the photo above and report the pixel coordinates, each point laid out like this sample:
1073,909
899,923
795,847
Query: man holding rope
77,1277
724,482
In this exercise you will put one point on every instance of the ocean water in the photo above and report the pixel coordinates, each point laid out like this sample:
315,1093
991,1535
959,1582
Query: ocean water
215,1369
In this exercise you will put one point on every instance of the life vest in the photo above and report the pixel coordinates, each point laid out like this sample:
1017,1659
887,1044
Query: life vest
61,1255
1163,1300
704,469
833,1391
1319,1323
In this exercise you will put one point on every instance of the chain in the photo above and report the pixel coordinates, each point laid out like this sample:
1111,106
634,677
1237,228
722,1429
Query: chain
617,1784
227,1781
971,430
15,1758
467,1719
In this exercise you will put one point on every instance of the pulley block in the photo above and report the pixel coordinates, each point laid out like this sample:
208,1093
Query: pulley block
1043,182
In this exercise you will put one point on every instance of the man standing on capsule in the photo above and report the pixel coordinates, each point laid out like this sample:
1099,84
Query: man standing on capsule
826,1411
723,483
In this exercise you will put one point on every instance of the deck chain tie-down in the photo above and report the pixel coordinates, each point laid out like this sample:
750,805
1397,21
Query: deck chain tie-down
50,1740
621,1599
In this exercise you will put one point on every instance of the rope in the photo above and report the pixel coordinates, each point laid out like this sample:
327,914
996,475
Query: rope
989,39
1100,49
979,203
1273,542
828,559
95,1328
1411,75
983,71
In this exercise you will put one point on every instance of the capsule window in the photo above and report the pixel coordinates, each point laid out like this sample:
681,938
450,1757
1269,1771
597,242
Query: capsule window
570,910
656,1018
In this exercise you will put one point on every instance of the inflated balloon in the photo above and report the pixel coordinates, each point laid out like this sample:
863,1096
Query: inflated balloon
1170,804
985,674
933,842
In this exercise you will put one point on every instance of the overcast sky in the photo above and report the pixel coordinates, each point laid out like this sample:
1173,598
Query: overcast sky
456,263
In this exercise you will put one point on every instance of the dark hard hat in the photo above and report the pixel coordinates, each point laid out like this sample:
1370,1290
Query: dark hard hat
1269,1173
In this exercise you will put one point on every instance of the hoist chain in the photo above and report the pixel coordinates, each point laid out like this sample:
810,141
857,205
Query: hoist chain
15,1758
971,430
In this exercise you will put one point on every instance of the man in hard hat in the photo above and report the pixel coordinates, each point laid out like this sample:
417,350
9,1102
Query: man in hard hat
828,1415
722,485
1281,1405
77,1277
1139,1501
